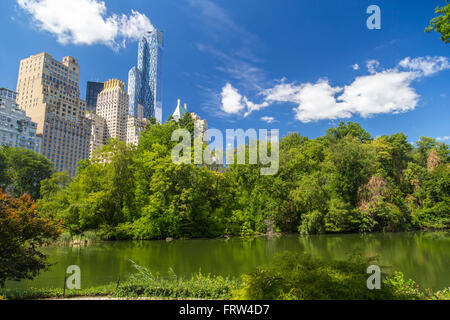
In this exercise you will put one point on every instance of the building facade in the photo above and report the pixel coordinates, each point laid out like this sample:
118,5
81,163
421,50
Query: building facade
97,133
112,105
92,91
48,91
134,128
144,81
200,125
16,129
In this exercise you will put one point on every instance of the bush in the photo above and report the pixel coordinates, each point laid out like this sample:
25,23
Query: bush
404,289
23,230
312,223
299,277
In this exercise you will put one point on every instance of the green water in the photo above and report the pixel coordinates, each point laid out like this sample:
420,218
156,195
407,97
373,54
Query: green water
424,257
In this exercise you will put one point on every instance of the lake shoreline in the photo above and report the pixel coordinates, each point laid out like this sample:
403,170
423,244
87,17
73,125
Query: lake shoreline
59,242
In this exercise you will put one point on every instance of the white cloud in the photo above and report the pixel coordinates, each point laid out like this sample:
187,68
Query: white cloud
254,106
355,66
426,66
383,92
268,119
232,101
372,65
84,22
446,138
315,101
380,92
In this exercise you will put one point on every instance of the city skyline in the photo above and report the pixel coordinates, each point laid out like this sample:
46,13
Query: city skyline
239,66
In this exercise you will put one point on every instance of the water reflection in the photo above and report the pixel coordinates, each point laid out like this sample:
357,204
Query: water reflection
424,257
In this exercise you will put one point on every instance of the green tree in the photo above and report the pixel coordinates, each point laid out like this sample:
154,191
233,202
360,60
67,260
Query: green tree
4,179
441,23
350,163
349,129
99,197
25,171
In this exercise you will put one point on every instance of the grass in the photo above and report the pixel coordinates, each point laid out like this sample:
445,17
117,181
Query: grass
33,293
87,237
199,286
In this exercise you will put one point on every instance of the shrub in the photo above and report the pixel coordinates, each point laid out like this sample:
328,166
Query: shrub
300,277
312,223
22,231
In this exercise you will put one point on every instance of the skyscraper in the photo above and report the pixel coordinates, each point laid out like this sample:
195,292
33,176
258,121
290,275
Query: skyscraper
48,91
97,133
144,81
112,105
92,91
16,129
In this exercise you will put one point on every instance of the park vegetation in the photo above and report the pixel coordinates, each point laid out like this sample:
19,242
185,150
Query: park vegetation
345,181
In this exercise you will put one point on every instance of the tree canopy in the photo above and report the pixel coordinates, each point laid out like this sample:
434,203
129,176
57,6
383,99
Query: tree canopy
345,181
22,170
441,23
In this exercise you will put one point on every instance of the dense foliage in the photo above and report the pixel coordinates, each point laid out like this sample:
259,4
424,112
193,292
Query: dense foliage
22,231
345,181
441,23
300,277
22,170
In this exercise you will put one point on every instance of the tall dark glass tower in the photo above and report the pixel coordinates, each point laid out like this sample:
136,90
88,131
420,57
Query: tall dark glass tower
92,91
144,81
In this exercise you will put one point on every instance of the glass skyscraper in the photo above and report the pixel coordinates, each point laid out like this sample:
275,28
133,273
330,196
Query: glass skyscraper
92,91
144,81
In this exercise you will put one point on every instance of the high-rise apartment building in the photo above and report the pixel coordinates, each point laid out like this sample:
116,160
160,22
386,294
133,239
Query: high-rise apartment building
112,105
97,132
134,128
16,129
48,91
92,91
144,81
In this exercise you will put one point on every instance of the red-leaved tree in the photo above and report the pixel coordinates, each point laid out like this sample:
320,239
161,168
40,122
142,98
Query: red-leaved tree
23,231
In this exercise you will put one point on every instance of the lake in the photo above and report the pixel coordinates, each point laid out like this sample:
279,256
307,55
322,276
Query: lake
422,256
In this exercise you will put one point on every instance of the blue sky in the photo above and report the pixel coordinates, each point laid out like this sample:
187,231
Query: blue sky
295,65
